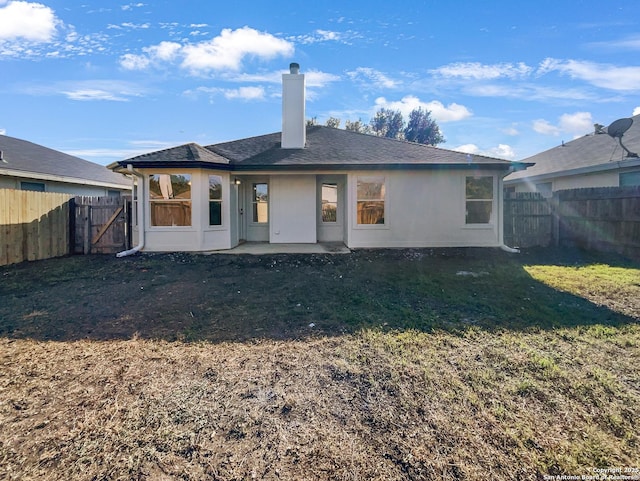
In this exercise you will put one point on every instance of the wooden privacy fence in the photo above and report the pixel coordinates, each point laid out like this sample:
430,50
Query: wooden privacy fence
33,225
603,219
101,225
41,225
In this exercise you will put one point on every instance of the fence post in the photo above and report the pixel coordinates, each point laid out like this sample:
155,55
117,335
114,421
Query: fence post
72,225
554,203
87,230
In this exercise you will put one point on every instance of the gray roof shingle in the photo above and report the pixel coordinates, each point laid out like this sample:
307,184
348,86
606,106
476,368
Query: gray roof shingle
26,157
589,151
326,147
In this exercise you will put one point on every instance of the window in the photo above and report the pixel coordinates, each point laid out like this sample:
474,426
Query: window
215,200
630,178
34,186
545,188
479,200
370,202
170,199
330,203
260,203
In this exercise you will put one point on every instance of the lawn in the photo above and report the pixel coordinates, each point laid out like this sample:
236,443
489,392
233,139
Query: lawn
384,364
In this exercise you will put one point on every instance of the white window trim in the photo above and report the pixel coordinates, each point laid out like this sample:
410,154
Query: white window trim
251,203
168,228
494,203
223,225
354,210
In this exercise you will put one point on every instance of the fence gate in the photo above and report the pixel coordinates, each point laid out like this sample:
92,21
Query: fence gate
101,225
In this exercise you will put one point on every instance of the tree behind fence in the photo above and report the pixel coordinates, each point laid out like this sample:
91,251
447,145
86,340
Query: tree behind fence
602,219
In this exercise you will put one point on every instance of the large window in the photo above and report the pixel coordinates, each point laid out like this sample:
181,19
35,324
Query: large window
215,200
479,200
329,203
370,202
34,186
170,199
260,203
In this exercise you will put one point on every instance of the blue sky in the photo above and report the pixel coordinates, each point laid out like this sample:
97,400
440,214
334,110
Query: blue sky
110,80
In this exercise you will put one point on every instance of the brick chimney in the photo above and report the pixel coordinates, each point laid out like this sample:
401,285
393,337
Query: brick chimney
294,135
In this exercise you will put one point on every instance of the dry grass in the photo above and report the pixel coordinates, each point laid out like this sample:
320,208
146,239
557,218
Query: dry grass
466,402
403,405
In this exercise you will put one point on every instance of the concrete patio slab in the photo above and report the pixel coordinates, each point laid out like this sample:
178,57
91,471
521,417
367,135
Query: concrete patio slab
262,248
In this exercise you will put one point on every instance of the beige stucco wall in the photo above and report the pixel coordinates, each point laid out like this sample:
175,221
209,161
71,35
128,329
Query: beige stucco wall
424,209
293,209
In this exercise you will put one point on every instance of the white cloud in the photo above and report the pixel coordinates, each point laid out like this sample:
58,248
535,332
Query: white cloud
512,131
467,148
370,75
3,131
544,127
631,42
320,35
136,26
441,113
132,6
636,111
130,61
316,78
164,51
227,51
502,151
28,21
576,124
601,75
245,93
94,94
110,90
242,93
478,71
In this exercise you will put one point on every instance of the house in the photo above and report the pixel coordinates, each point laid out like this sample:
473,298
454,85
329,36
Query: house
595,160
28,166
312,184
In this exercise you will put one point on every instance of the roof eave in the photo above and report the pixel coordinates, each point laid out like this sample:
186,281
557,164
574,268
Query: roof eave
188,164
591,169
63,178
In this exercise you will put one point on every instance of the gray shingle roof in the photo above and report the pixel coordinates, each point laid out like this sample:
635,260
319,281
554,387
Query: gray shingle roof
21,156
326,147
187,155
590,151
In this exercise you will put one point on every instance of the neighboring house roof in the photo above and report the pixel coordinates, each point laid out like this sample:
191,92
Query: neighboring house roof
326,148
21,158
588,154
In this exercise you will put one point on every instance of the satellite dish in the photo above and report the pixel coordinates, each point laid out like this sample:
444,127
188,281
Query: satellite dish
617,130
619,127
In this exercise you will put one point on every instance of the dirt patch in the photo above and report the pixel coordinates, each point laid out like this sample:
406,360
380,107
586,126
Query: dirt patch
225,297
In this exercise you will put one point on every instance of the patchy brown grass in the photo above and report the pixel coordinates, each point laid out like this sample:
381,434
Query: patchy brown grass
452,398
